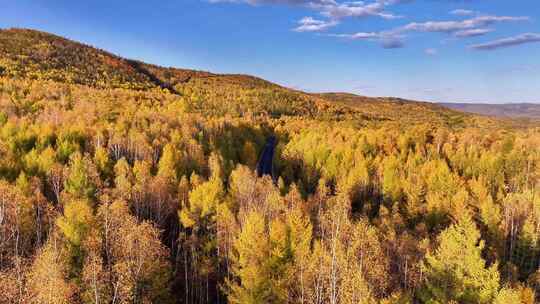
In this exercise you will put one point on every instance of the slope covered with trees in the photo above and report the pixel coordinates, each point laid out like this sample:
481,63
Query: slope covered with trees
138,186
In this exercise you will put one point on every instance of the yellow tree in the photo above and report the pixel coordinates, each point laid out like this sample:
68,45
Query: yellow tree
81,180
203,202
347,264
251,265
123,179
456,271
95,277
200,236
47,280
75,224
136,258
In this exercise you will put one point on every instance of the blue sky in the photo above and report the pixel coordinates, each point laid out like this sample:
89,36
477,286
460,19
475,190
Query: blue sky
435,50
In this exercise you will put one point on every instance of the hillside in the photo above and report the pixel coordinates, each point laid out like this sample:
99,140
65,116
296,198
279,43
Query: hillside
42,56
35,55
514,110
38,55
126,182
392,108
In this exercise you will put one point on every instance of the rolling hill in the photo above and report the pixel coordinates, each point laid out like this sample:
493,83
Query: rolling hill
40,56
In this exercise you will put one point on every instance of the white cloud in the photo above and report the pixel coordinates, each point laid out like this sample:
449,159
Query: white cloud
386,39
335,11
309,24
465,28
357,9
358,36
454,26
472,32
508,42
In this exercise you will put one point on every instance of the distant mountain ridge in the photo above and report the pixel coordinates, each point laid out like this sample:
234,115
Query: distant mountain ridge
510,110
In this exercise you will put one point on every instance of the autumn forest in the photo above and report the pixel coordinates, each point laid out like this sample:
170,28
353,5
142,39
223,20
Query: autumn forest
126,182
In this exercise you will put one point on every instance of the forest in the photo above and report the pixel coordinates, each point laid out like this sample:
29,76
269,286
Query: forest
125,182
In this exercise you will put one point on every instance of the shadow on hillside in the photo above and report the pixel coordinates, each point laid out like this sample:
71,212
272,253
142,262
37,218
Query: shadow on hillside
139,68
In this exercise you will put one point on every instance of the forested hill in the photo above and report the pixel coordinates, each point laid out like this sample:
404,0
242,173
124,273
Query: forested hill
398,109
35,55
124,182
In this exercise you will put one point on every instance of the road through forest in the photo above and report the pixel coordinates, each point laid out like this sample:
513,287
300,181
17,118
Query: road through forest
265,165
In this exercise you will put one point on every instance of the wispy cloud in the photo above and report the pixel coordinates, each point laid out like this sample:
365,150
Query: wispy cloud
358,9
507,42
454,26
387,40
472,32
332,10
309,24
394,38
357,36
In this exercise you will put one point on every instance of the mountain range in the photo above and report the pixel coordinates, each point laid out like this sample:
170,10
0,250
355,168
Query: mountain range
514,110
